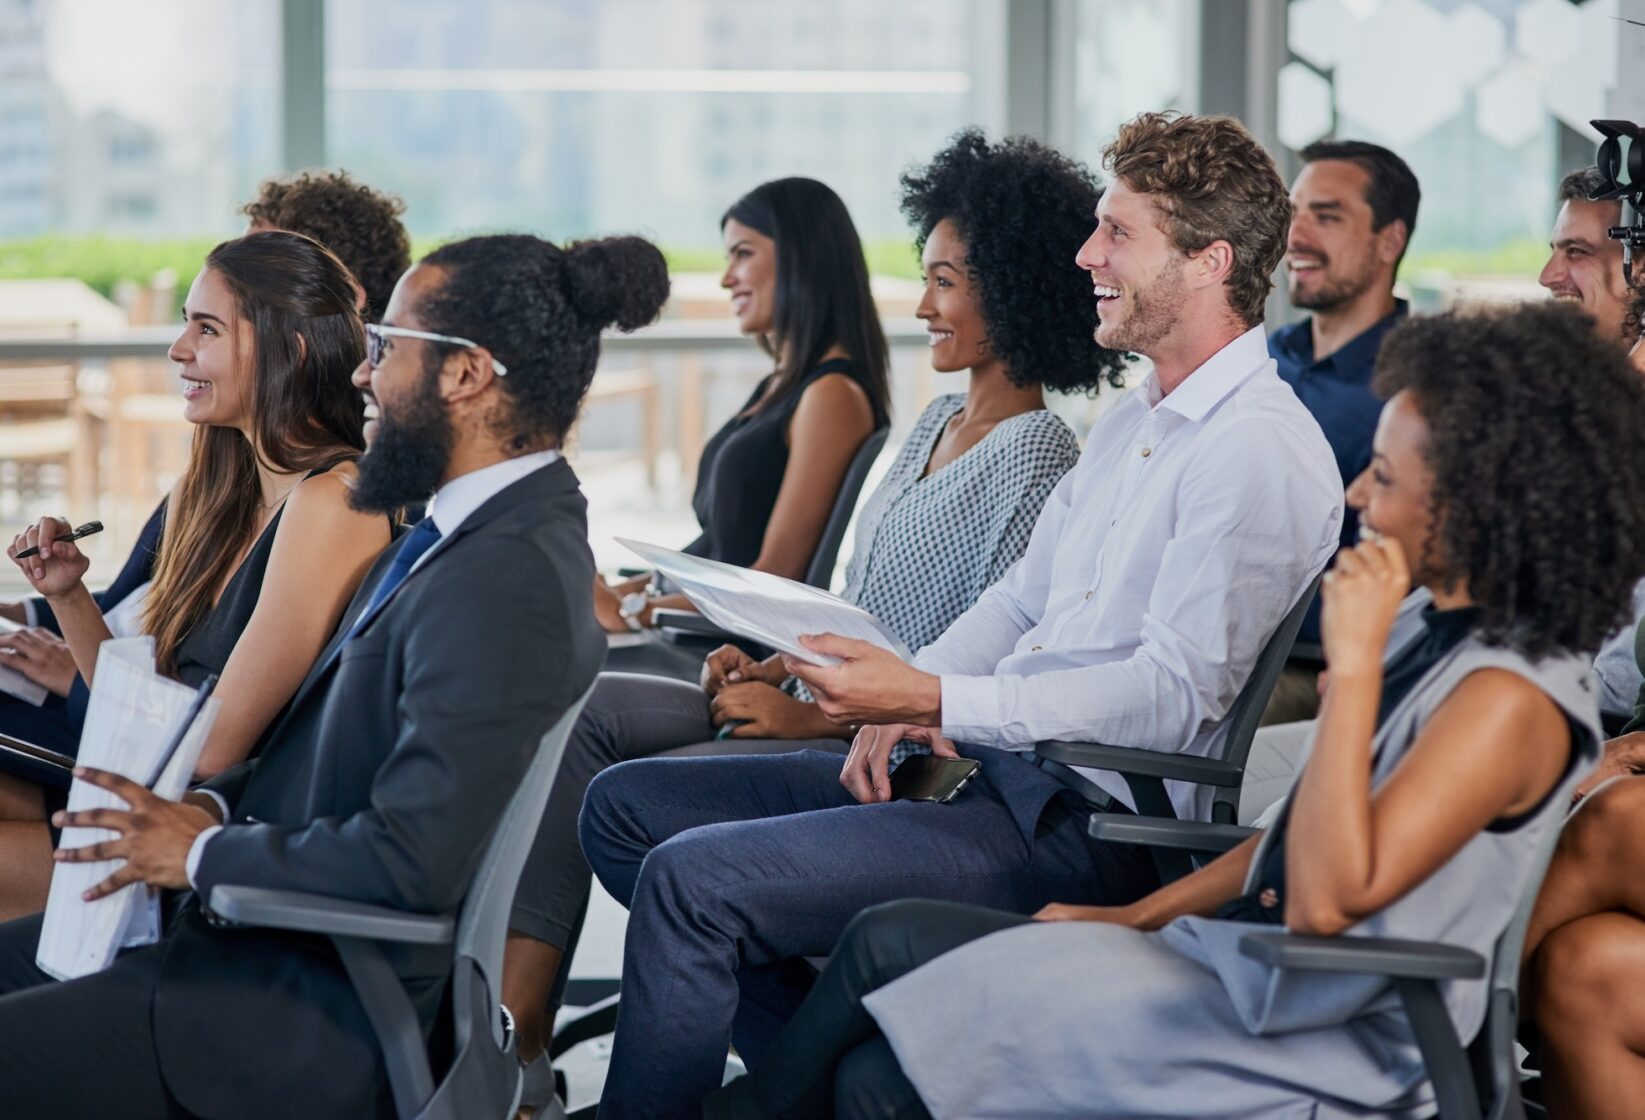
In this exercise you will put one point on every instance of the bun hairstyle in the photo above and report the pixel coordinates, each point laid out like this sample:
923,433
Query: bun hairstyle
540,309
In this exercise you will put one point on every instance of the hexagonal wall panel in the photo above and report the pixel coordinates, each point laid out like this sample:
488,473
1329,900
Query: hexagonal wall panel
1398,72
1304,106
1317,30
1508,107
1548,31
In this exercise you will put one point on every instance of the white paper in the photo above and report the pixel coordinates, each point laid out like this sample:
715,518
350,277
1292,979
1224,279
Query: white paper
13,683
131,719
765,608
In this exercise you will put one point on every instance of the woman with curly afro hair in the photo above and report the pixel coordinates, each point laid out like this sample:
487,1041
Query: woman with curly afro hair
1508,479
1003,304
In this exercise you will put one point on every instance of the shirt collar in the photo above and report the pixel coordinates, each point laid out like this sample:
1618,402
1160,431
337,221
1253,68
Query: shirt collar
454,502
1220,375
1358,353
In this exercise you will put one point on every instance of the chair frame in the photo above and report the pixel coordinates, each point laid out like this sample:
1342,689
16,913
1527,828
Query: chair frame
484,1076
1146,771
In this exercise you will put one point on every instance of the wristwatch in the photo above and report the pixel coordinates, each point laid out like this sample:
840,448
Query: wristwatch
632,606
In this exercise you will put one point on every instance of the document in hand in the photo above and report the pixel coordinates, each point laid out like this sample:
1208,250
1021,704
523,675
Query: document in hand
765,608
14,683
134,716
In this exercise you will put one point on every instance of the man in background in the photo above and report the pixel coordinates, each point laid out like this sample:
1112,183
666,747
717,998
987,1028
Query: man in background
1355,208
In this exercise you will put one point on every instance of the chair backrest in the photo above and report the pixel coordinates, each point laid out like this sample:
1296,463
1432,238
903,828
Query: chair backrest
821,571
1491,1052
481,1076
1246,713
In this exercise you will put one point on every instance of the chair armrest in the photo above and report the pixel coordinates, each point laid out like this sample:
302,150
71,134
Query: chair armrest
1155,832
315,913
688,622
1144,763
1367,956
1312,652
36,764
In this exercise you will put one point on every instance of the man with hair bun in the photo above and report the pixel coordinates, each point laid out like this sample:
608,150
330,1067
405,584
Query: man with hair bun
1205,502
384,779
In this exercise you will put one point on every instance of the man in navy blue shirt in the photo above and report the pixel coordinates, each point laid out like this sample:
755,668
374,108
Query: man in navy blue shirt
1355,210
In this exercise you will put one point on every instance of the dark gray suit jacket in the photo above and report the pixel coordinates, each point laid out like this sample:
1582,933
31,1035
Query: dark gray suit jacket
381,784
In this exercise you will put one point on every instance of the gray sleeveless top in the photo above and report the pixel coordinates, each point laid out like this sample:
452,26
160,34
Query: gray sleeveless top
1469,902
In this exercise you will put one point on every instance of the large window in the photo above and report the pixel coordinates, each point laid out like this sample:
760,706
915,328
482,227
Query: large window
151,119
576,116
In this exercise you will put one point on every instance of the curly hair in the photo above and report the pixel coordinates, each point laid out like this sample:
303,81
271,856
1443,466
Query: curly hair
540,309
1022,209
360,225
1213,182
1534,426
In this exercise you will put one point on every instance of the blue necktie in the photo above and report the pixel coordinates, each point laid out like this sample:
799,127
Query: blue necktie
421,538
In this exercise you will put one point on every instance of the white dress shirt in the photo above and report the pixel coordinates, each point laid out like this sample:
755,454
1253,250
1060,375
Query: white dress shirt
1157,570
451,505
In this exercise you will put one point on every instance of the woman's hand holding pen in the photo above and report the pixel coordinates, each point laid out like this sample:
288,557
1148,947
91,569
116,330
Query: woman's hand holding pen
59,566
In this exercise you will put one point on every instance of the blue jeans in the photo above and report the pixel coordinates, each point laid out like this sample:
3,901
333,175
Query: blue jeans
732,868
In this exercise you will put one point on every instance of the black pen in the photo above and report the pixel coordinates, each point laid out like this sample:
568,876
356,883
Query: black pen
180,732
85,530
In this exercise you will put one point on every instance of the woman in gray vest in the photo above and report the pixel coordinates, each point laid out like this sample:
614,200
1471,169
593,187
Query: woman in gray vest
1508,479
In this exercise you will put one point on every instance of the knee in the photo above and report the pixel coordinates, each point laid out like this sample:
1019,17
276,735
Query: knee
883,942
607,818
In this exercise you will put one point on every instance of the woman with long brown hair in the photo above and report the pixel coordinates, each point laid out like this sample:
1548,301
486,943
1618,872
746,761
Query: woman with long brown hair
260,551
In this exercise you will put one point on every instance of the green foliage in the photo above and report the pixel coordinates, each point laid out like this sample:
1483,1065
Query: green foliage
103,262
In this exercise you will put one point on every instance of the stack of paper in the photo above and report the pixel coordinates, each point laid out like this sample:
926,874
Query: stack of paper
765,608
134,715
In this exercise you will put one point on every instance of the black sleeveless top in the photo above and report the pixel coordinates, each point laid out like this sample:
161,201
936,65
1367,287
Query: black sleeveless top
206,648
742,468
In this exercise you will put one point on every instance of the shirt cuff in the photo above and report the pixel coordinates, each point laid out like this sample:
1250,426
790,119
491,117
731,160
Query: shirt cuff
971,710
197,850
31,613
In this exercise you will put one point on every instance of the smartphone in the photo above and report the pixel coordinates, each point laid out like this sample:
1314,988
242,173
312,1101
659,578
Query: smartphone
928,777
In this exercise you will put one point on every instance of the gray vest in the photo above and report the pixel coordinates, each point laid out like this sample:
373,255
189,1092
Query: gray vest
1468,902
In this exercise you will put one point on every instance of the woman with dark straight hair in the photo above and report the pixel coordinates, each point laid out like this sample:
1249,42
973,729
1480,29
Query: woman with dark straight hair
768,479
260,552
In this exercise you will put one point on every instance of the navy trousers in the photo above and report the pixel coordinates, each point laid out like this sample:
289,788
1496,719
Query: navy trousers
733,869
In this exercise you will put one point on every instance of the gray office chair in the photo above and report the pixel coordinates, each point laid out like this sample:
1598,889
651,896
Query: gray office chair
483,1079
688,627
1146,771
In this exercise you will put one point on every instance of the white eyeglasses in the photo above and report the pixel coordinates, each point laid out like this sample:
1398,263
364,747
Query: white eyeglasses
377,337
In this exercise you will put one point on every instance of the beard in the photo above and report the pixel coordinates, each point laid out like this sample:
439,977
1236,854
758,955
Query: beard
1155,310
408,458
1334,292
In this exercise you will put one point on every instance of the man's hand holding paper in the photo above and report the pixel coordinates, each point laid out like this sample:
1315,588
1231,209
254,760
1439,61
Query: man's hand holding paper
153,835
868,684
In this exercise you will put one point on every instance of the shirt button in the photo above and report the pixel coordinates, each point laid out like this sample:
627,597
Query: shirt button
1088,594
1147,451
1035,649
